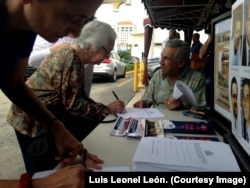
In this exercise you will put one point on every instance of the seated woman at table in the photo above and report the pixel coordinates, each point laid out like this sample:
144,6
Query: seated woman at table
174,66
58,82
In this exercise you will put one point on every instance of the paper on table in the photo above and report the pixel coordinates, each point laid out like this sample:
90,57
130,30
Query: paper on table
104,169
167,154
141,113
182,91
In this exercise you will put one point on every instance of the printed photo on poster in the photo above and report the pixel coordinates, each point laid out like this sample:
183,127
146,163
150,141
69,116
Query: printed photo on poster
240,78
245,103
236,35
221,64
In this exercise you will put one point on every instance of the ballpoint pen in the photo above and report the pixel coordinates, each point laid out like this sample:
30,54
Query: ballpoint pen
115,95
117,98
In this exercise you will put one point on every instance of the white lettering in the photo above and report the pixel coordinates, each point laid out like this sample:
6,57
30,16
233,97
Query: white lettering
154,180
98,180
125,180
178,179
234,181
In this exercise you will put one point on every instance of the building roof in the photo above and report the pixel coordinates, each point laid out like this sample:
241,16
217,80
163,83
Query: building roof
185,14
125,23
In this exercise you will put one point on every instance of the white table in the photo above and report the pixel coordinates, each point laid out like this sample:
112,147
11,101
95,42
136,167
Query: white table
119,151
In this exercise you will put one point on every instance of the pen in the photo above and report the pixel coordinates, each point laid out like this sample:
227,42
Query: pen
117,98
115,95
197,112
190,114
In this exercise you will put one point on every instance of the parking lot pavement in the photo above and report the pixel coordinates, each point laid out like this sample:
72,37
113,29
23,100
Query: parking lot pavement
11,161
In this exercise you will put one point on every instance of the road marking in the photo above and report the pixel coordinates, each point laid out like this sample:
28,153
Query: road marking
123,83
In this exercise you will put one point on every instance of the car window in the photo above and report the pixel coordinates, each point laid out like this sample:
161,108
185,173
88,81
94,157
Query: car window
112,55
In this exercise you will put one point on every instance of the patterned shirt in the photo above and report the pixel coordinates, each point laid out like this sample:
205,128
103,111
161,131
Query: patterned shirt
58,80
159,88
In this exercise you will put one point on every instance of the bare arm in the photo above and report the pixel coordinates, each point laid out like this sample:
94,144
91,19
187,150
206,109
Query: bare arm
9,183
205,47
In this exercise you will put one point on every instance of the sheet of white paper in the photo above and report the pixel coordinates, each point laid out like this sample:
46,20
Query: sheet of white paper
177,92
142,113
182,91
104,169
184,155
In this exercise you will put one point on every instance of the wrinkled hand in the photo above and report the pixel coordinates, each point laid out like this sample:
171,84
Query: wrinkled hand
93,161
117,106
172,103
67,177
139,104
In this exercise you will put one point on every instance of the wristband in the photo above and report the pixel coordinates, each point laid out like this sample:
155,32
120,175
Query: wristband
24,181
85,157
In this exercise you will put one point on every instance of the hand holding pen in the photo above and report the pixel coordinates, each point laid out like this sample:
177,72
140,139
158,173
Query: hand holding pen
88,160
117,106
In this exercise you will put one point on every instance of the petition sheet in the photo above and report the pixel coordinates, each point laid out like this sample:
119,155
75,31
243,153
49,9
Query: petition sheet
45,173
175,154
142,113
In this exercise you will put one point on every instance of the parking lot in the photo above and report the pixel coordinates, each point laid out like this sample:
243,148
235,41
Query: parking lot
11,162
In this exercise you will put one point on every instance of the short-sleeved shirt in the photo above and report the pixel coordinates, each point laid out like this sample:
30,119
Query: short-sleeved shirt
14,44
58,80
159,89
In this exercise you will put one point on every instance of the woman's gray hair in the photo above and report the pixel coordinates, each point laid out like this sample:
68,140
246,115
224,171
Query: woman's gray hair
183,49
97,33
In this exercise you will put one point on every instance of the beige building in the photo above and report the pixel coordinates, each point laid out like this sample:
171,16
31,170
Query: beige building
129,39
124,29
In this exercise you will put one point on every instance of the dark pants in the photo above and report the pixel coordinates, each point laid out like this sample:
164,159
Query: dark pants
39,152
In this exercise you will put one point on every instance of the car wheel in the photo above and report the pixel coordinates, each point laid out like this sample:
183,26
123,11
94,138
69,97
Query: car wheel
114,77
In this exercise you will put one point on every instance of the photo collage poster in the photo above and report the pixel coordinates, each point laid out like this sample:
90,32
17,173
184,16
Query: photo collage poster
239,73
221,60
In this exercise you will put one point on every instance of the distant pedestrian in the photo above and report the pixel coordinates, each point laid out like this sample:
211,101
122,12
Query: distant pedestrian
196,45
171,35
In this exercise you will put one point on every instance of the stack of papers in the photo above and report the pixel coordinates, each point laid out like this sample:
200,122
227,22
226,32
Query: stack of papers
166,154
141,113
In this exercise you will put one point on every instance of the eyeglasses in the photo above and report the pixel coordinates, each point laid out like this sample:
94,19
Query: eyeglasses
107,52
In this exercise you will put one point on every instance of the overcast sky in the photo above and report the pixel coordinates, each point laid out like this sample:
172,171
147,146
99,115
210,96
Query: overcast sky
134,13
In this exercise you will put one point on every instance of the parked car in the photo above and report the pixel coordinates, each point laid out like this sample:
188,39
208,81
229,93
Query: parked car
152,66
133,58
111,68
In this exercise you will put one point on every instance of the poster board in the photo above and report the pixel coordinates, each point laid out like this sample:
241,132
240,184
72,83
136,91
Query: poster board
239,73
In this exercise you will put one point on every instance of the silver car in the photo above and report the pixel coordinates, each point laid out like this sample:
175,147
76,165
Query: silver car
152,66
111,68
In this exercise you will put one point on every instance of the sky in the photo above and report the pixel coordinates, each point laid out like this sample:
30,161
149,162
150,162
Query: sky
134,13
